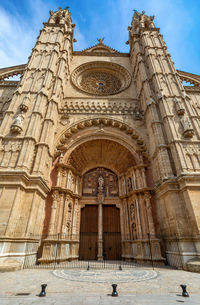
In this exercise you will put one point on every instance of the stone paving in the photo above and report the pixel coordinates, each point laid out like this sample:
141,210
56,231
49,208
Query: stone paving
139,286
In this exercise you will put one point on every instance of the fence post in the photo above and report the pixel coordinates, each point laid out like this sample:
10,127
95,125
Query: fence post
25,256
56,253
148,234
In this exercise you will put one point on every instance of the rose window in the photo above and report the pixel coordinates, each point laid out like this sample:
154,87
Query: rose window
101,78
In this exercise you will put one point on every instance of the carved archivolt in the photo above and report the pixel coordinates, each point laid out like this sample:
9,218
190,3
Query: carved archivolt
101,78
101,122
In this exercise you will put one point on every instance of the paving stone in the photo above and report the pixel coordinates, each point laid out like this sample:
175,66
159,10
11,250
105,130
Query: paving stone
77,288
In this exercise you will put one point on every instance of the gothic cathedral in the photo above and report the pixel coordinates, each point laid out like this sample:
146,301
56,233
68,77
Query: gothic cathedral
99,150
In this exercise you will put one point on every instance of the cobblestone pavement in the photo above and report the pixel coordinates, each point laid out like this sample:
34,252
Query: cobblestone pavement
139,286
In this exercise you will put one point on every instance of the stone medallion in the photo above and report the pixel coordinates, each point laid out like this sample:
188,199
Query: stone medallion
101,78
107,276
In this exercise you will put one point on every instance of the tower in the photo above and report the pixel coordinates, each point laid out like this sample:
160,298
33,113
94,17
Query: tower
99,151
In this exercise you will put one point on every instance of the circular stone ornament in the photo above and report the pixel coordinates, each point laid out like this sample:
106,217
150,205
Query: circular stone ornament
101,78
106,276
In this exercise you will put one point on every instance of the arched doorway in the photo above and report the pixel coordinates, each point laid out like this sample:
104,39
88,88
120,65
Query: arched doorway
100,231
104,180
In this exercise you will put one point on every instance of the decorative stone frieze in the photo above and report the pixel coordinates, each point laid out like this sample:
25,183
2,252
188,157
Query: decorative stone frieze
100,107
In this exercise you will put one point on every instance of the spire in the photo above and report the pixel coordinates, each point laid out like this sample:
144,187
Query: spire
141,21
62,16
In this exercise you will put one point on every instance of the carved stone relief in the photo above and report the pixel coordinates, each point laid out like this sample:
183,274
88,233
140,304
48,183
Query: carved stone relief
9,145
102,107
100,178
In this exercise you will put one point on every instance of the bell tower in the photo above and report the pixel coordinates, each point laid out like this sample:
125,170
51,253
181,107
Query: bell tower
27,135
171,129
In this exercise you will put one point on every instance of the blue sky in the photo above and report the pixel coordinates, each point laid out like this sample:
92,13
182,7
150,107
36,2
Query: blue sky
178,20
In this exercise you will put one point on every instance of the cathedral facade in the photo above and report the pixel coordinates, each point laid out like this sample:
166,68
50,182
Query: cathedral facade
99,151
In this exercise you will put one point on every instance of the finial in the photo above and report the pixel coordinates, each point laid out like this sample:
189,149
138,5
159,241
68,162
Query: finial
100,40
60,8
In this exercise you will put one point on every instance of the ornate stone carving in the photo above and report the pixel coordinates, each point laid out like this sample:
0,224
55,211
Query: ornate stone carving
95,122
102,181
100,83
100,107
179,107
101,78
60,16
141,21
10,145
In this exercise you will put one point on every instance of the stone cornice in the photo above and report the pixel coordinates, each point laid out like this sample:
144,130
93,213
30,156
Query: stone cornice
67,191
137,191
67,166
102,54
176,184
13,178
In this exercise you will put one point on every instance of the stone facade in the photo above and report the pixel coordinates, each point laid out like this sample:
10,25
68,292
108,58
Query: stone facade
99,127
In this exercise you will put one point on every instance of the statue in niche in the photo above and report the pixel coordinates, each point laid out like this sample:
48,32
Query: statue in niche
101,182
16,126
60,160
129,184
18,120
70,181
186,124
132,211
100,179
188,131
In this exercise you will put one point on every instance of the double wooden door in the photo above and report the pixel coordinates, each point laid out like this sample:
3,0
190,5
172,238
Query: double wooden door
88,248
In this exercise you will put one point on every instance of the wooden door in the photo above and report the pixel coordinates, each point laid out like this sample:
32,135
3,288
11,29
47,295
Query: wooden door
88,233
111,233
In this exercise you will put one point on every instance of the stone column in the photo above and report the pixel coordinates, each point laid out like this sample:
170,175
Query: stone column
100,200
139,229
100,232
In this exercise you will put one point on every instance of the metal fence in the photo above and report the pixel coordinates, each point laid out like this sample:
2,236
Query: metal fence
62,251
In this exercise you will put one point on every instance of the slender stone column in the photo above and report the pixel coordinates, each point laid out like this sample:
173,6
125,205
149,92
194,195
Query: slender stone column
100,232
100,200
139,229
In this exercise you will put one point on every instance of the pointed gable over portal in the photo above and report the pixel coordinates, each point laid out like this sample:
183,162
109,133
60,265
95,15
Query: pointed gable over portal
99,49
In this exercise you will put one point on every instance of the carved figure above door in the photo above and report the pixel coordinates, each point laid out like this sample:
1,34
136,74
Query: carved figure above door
91,182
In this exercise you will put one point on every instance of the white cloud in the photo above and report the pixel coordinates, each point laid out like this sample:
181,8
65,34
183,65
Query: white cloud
18,34
16,39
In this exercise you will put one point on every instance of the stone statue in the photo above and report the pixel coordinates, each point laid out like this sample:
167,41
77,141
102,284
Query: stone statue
18,120
101,182
188,131
16,126
60,160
